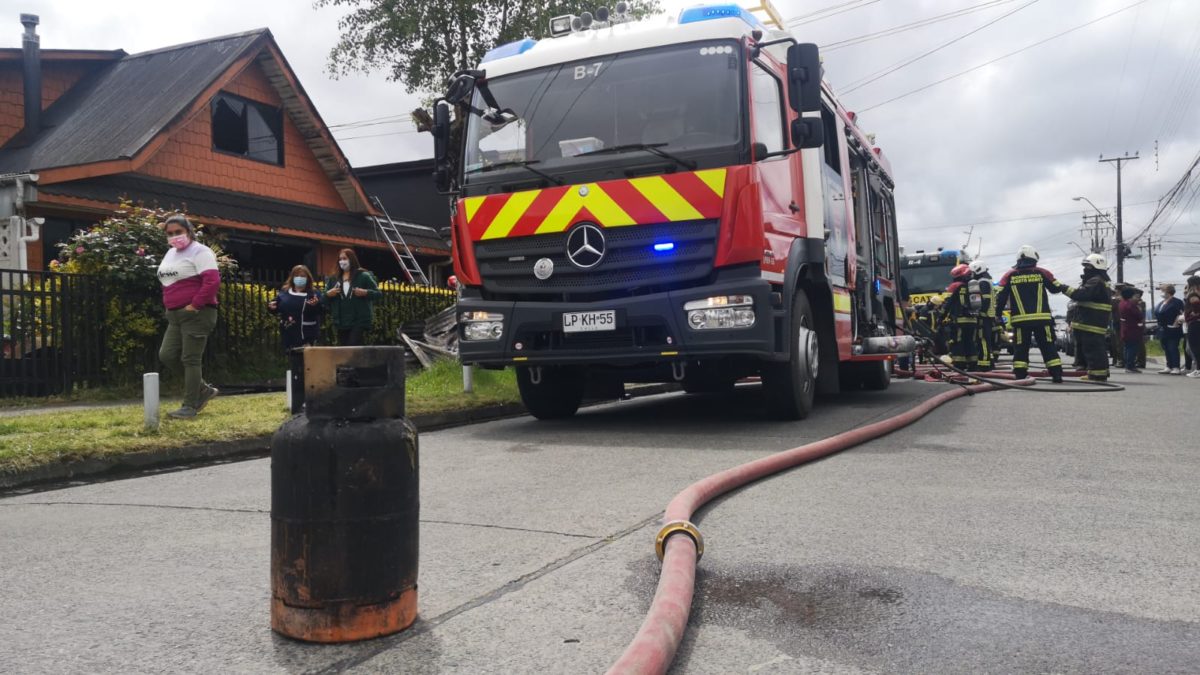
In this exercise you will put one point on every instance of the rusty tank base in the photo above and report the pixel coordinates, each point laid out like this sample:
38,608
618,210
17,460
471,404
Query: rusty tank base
344,622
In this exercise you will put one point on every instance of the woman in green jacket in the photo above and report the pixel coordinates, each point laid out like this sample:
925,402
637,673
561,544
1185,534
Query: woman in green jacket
350,294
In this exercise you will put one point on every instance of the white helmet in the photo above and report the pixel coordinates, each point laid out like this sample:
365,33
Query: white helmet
979,267
1028,251
1096,260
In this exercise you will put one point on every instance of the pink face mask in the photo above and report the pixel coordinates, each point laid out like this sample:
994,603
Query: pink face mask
179,241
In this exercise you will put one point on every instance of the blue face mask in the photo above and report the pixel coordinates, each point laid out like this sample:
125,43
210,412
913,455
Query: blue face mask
299,282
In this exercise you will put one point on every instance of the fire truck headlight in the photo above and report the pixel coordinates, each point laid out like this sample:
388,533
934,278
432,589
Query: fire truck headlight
724,311
479,326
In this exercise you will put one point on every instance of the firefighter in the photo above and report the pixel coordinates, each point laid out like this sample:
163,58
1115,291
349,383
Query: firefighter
1093,311
989,327
963,304
1023,292
928,316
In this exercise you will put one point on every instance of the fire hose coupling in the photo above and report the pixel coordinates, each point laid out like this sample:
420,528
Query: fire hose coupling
677,527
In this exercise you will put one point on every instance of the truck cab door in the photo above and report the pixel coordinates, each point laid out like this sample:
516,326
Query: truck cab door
768,117
839,230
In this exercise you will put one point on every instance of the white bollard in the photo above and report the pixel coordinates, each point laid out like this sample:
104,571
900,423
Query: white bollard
150,401
289,389
468,380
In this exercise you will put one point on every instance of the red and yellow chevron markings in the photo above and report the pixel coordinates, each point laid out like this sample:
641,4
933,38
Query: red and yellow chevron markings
695,195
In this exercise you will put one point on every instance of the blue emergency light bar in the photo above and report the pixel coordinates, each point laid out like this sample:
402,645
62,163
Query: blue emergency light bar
510,49
723,11
664,246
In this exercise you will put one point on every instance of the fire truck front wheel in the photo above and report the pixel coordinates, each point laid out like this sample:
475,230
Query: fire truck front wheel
551,393
789,385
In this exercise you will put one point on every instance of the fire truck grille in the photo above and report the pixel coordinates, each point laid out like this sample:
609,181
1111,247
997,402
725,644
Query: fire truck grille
631,265
629,337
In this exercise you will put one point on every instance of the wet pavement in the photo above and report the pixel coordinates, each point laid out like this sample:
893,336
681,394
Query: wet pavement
1003,533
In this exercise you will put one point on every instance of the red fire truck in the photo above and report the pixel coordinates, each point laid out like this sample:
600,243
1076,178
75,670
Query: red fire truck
672,199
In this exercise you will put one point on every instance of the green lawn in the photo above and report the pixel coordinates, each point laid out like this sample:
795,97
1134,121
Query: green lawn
32,440
1154,348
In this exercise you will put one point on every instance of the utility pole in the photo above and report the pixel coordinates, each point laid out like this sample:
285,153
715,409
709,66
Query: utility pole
1120,232
1150,246
1094,228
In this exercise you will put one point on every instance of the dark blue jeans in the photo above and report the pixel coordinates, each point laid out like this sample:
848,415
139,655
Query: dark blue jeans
1131,354
1170,343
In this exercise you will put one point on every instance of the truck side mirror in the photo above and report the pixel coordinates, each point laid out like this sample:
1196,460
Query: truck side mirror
461,88
808,132
804,77
441,146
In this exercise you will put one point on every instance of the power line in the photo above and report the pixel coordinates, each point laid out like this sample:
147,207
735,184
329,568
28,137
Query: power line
1112,109
1172,197
1005,56
1181,104
1141,100
386,133
373,124
921,23
371,119
862,82
1180,75
1012,219
826,12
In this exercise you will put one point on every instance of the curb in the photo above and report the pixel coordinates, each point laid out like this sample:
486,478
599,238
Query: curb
142,463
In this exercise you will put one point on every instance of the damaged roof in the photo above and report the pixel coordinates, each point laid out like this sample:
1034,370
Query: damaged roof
114,112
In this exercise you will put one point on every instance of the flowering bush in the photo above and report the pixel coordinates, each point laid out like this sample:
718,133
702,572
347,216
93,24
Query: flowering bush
126,247
124,251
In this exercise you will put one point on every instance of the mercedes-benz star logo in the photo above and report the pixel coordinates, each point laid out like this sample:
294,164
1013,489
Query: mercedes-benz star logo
585,246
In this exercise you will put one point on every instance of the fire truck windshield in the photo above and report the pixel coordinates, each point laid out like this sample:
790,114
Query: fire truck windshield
924,280
684,99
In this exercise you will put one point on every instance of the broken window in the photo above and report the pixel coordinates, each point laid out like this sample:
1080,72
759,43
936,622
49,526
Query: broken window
247,128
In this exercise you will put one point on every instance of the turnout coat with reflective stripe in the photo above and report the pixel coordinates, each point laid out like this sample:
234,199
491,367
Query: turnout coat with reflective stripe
1024,291
1093,305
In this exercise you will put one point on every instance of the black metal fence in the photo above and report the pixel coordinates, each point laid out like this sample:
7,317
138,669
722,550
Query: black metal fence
53,332
63,331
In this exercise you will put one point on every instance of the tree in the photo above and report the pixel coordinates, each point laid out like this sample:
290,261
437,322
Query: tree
422,43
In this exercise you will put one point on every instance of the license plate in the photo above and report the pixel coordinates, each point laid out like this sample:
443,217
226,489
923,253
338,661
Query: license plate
583,322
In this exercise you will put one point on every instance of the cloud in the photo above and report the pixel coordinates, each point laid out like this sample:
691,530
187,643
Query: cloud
1017,138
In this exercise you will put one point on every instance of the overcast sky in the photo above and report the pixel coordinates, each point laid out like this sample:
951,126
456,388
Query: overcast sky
1000,147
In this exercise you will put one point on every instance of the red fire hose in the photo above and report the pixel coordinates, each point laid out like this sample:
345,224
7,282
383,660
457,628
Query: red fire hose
653,648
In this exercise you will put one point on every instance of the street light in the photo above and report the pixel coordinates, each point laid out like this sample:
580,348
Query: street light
1078,247
1097,208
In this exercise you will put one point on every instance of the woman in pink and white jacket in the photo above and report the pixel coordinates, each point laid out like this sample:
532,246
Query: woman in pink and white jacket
190,281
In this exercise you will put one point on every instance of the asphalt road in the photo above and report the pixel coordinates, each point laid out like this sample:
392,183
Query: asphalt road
1007,532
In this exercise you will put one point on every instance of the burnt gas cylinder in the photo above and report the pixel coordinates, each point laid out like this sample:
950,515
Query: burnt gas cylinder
344,501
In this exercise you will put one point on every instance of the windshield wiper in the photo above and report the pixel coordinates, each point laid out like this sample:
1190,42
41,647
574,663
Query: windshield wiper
524,164
653,148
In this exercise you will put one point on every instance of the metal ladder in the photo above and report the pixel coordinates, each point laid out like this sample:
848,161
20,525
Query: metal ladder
404,255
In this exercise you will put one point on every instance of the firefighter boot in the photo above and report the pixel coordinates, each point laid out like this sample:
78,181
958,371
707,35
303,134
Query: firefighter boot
1020,373
1056,374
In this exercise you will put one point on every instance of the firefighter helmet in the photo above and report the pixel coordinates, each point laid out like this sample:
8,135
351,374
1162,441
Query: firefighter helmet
1028,251
936,300
1096,260
960,271
979,267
